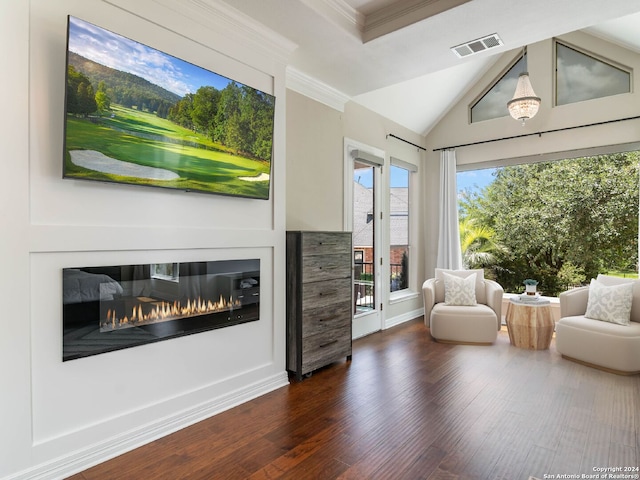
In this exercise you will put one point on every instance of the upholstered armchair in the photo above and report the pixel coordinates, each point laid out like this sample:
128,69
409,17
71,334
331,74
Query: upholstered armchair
461,306
599,325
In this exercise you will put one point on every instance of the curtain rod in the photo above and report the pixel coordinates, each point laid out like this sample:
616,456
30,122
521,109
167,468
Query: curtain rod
536,133
406,141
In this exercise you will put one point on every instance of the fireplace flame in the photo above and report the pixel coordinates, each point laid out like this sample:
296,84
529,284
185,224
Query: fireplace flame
162,311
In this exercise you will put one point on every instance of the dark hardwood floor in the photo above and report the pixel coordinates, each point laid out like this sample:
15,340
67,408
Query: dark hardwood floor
407,407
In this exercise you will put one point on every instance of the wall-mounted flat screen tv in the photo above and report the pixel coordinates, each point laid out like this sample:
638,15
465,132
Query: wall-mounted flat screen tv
139,116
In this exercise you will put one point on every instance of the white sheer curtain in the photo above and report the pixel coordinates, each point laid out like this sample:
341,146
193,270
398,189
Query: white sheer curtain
449,254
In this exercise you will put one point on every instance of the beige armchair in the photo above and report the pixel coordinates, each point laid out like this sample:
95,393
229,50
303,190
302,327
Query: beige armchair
600,344
463,324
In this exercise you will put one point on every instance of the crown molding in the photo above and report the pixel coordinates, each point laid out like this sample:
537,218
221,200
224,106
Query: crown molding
340,13
402,14
312,88
345,10
385,20
240,27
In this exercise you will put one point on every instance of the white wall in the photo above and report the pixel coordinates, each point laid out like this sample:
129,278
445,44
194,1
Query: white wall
314,165
60,417
455,129
15,369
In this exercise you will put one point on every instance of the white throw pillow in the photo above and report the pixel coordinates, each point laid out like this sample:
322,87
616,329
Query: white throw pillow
480,285
459,291
610,303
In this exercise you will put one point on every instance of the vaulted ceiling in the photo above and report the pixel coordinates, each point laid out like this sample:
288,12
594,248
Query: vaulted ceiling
394,56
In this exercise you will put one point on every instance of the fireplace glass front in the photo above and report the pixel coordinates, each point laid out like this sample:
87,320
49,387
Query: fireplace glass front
122,306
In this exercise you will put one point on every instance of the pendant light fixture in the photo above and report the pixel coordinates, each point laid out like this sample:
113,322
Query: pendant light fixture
524,104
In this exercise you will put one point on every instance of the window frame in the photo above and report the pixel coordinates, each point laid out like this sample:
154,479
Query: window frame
522,55
553,157
600,58
411,169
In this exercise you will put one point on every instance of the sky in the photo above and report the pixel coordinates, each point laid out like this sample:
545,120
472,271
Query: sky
474,180
582,77
120,53
364,176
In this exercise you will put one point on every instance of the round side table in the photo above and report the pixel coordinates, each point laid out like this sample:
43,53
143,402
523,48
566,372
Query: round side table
530,324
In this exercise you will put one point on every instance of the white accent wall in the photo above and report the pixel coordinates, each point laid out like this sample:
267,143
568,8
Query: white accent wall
60,417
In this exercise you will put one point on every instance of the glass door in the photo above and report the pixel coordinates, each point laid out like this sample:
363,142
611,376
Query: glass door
365,218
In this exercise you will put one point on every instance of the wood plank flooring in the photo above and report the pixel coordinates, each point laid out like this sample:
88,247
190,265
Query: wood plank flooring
407,407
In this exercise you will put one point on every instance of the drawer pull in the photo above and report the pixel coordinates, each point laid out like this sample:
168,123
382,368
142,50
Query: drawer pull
326,319
330,343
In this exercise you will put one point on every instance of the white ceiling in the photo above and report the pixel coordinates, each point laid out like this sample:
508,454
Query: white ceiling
392,58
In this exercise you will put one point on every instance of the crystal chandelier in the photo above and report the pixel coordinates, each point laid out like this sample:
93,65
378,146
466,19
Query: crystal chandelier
524,104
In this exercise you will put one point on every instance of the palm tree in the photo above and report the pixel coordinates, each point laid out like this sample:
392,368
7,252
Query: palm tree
478,244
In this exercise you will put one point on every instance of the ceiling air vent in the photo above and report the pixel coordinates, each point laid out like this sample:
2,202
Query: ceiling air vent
477,46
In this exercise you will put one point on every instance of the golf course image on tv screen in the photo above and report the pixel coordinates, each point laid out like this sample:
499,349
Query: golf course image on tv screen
139,116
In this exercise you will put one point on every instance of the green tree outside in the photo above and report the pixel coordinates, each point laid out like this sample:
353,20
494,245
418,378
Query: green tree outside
478,243
560,222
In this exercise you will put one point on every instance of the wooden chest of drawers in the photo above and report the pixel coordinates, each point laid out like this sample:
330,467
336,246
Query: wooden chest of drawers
319,309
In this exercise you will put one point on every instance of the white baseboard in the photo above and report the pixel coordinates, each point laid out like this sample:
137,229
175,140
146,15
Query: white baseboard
405,317
79,460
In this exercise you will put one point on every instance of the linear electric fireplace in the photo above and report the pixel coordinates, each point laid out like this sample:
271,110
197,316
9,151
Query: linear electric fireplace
122,306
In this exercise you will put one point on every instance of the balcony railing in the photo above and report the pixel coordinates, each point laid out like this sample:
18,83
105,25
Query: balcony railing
363,291
363,283
396,275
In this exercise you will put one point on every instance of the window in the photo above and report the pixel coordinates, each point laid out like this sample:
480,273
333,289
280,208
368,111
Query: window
493,104
364,233
581,77
561,222
165,271
399,224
